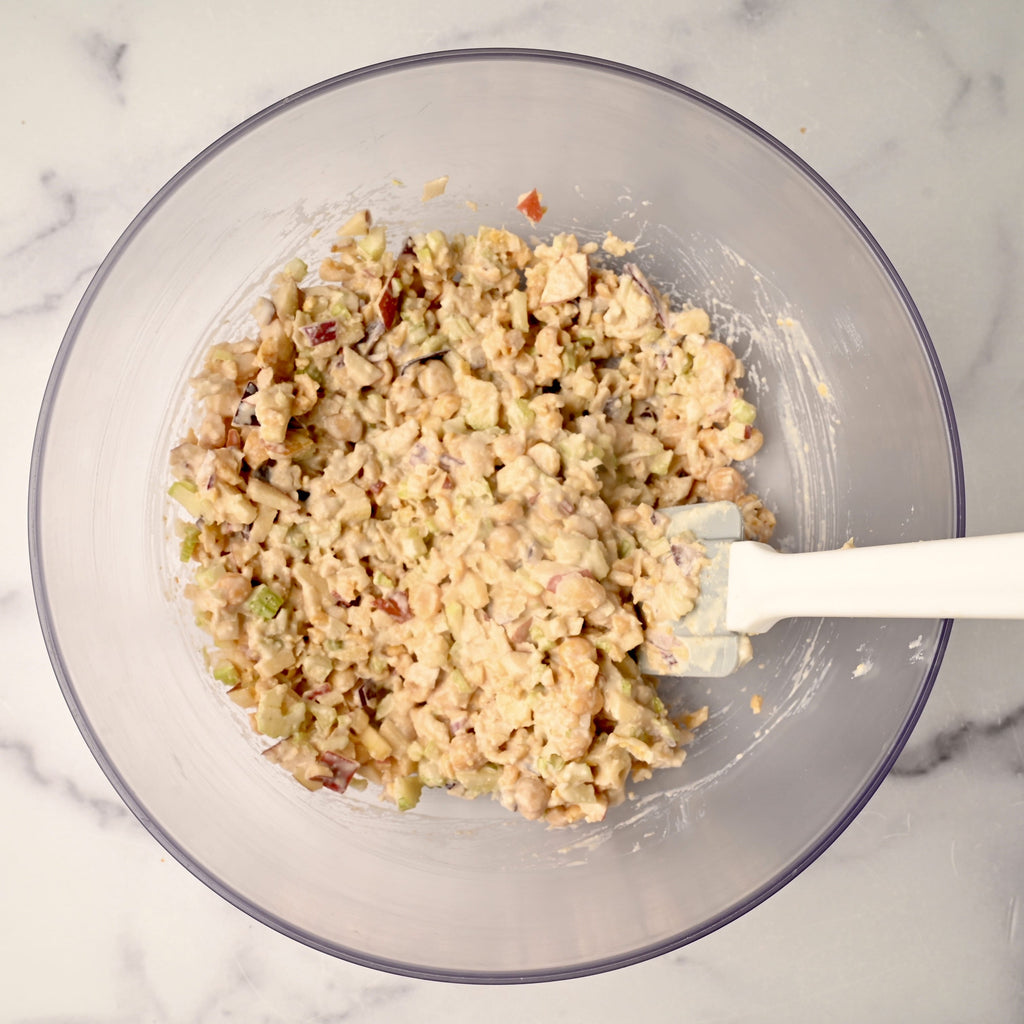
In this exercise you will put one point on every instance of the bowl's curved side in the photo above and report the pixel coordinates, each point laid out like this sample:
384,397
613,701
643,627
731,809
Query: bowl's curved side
679,863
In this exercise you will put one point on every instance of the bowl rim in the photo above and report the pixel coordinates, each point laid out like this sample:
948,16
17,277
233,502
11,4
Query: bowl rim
39,451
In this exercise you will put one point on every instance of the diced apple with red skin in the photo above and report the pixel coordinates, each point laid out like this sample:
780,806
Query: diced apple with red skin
530,205
322,332
342,770
396,605
387,306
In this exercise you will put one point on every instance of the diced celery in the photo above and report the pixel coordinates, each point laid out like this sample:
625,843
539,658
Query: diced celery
314,372
480,780
207,575
264,603
453,613
343,305
742,411
550,766
460,682
657,705
520,415
383,581
574,448
226,673
579,793
187,495
189,543
280,713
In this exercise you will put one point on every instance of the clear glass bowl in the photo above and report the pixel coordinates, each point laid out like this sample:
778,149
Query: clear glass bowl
860,443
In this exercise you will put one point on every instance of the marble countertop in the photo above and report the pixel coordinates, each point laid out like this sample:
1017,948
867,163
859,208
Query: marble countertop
915,113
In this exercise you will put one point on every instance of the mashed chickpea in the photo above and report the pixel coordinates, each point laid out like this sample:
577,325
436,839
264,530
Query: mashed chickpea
422,502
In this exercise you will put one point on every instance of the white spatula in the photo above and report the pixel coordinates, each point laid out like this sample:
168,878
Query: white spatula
748,587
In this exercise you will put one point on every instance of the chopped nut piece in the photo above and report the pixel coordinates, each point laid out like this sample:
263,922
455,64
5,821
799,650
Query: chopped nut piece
434,188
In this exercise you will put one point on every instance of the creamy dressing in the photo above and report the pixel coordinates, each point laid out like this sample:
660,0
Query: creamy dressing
422,508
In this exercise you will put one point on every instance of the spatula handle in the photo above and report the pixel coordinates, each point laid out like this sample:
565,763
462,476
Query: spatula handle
962,578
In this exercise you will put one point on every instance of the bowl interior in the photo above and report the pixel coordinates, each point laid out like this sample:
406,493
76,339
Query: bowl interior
860,443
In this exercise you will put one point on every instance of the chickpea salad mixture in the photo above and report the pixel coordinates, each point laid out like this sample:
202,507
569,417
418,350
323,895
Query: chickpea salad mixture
421,514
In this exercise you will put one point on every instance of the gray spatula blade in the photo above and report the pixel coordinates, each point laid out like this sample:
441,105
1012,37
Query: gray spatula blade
700,644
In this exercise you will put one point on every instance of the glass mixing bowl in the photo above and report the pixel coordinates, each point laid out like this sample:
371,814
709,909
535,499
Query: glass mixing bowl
860,443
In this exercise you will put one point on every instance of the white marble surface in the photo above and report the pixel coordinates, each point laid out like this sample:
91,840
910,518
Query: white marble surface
915,112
